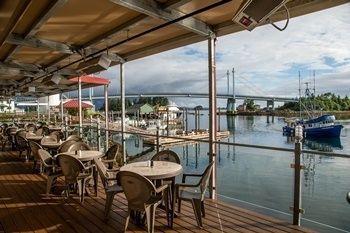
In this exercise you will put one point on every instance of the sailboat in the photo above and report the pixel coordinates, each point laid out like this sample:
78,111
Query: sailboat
315,126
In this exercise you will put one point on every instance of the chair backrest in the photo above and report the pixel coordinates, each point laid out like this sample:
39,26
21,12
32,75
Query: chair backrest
21,142
45,157
204,181
115,153
31,127
137,189
71,167
166,155
35,147
48,139
65,146
79,146
102,171
74,137
55,134
39,132
21,133
46,130
9,130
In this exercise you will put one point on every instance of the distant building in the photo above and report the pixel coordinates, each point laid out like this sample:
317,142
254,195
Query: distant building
241,107
142,109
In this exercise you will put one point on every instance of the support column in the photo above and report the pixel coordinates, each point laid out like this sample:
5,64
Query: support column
122,98
62,112
106,116
48,109
212,113
79,107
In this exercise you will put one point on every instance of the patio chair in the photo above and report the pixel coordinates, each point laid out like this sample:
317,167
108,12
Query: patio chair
31,127
79,146
74,172
142,195
194,193
34,148
51,170
65,146
48,139
22,145
114,156
10,136
39,132
109,181
46,130
3,140
74,137
166,155
169,156
56,134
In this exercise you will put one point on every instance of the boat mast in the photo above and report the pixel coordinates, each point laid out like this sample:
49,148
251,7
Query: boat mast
299,96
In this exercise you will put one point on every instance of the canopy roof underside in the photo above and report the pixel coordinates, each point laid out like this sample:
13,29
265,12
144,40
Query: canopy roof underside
39,38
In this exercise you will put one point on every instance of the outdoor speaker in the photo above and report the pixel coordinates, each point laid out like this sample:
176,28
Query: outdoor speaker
255,12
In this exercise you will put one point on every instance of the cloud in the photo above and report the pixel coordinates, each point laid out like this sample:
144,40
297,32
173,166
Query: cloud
266,61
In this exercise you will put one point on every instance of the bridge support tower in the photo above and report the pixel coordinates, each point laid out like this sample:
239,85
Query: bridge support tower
231,106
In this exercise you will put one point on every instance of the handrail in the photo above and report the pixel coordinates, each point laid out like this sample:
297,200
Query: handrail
340,155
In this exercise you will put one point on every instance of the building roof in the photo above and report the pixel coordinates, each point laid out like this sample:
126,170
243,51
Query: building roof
74,104
140,107
76,37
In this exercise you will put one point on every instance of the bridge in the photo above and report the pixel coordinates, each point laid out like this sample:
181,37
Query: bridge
202,95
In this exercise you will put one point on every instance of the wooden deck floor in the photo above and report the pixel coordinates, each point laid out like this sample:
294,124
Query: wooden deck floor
25,208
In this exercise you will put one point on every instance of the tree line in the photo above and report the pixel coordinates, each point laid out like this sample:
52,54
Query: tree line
116,104
323,102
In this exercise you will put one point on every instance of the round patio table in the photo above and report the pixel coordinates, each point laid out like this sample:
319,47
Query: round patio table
159,171
85,155
51,145
36,138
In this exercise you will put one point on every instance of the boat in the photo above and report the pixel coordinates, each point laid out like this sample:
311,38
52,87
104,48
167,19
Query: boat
320,127
323,126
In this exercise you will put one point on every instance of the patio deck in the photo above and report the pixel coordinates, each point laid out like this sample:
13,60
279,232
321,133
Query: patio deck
25,208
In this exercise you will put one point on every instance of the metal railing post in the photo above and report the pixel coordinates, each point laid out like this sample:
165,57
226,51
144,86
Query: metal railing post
297,210
98,134
158,139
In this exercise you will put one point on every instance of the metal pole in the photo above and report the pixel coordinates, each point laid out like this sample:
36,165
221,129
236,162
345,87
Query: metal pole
62,112
212,113
186,119
98,134
158,143
106,116
167,121
297,210
37,109
233,89
228,82
48,109
79,107
122,97
219,119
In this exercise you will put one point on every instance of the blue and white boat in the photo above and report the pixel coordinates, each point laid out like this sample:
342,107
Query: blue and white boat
320,127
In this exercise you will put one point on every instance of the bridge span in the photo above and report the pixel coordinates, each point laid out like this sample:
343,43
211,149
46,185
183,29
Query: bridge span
202,95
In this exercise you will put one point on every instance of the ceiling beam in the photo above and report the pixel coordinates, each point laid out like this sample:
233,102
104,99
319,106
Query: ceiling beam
42,19
152,8
15,18
175,3
34,42
11,71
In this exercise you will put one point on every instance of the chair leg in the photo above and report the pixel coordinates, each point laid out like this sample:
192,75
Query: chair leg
109,202
81,187
34,165
196,204
179,205
150,215
50,180
127,221
203,209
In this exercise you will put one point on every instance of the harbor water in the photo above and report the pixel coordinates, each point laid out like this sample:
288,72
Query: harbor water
262,180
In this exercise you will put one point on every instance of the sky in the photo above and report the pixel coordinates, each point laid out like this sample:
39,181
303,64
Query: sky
266,61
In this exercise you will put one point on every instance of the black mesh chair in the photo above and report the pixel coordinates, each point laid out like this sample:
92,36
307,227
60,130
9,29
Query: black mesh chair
22,145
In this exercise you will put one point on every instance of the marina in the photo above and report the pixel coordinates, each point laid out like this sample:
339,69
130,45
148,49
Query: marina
174,116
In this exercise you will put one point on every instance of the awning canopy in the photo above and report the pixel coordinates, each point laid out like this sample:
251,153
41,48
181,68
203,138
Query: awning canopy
39,39
74,104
